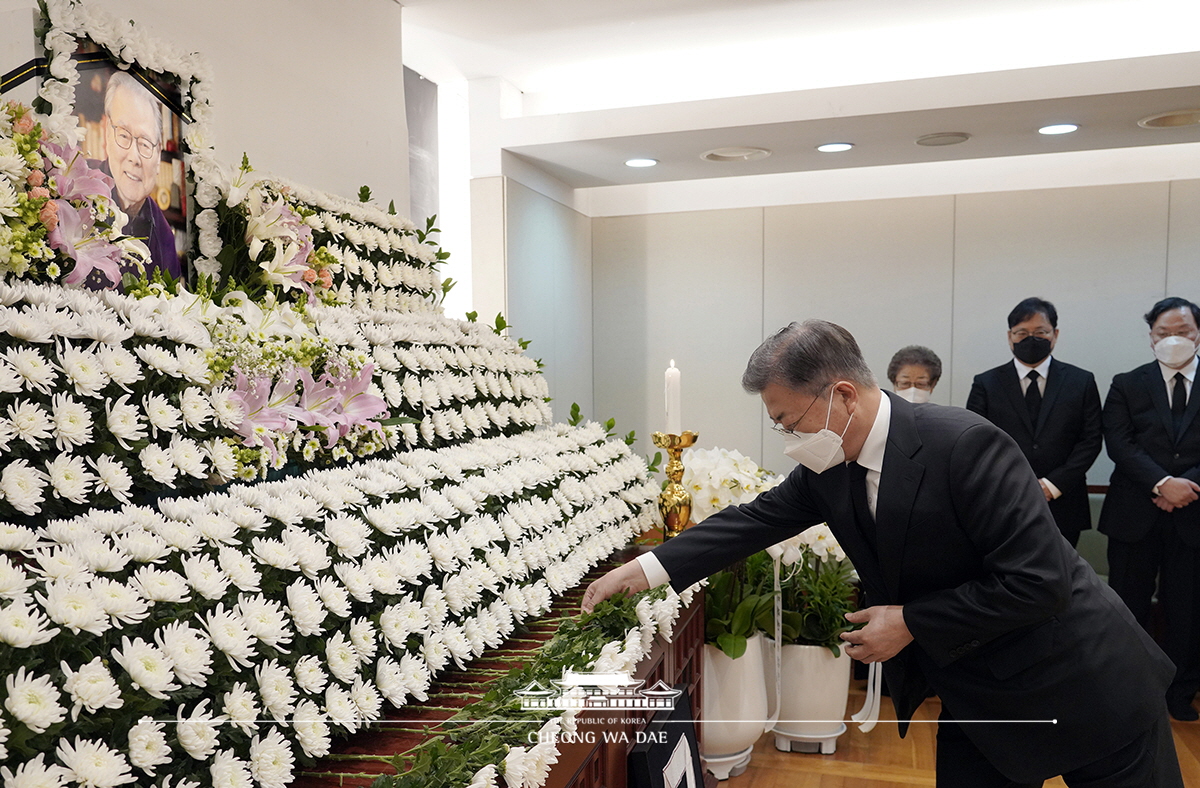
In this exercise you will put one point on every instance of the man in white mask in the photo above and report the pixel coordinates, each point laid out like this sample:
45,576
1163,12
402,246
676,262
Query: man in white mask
974,593
1050,408
1150,514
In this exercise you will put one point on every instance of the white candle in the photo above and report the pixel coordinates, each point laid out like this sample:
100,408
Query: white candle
674,421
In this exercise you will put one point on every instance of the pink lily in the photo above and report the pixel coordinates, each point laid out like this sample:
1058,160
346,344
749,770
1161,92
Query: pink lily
75,236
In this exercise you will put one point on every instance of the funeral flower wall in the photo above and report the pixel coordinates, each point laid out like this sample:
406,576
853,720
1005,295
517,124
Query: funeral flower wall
237,633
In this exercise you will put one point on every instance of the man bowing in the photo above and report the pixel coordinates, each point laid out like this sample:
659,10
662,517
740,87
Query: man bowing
975,593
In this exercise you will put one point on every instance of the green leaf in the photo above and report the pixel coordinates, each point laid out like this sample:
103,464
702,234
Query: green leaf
743,616
391,207
501,323
576,417
734,646
396,420
364,193
652,466
472,317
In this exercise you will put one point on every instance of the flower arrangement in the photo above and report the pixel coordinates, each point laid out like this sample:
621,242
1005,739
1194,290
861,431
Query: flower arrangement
717,478
817,584
56,211
267,619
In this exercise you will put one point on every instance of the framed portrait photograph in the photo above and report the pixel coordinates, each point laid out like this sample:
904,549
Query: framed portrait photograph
132,125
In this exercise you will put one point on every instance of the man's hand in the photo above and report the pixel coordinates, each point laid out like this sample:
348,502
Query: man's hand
1161,503
1178,491
626,577
884,636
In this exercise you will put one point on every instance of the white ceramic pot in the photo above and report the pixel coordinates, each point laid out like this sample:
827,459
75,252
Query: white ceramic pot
735,708
814,696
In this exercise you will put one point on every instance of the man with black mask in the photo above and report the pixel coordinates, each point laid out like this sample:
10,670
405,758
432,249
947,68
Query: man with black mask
1051,409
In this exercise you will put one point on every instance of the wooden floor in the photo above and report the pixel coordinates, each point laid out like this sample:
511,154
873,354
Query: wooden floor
881,759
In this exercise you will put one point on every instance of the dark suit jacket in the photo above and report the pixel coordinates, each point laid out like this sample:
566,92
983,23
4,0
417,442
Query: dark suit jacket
1009,622
1066,439
1139,432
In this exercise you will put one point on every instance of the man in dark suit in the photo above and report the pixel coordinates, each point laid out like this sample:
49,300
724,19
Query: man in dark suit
1051,409
1150,513
975,593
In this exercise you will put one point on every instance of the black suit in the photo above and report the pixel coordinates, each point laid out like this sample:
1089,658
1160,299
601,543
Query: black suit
1143,540
1065,441
1009,622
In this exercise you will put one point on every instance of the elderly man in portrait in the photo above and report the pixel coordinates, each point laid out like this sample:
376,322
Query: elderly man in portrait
1040,669
132,131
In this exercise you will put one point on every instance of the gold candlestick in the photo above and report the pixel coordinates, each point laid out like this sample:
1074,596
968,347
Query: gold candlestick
674,502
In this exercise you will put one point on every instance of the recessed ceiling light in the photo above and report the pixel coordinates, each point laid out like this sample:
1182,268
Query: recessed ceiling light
736,153
943,138
1058,128
835,147
641,162
1171,120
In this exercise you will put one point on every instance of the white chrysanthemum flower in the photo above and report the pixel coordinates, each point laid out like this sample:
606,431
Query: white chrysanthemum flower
364,638
161,585
193,366
63,563
158,464
92,687
306,609
310,676
70,478
340,708
356,580
148,667
111,475
30,422
519,767
276,689
205,576
435,652
188,457
84,370
229,771
158,357
390,681
341,657
15,537
271,760
368,700
215,528
33,701
241,708
93,764
239,568
35,773
14,581
120,365
124,422
148,747
195,408
265,620
72,422
74,606
198,731
399,621
348,534
120,602
274,552
23,626
334,596
312,729
229,411
311,554
37,372
189,652
142,545
223,458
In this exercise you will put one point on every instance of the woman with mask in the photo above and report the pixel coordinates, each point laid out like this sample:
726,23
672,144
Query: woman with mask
913,372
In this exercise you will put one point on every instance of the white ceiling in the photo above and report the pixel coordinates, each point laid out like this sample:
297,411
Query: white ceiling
598,81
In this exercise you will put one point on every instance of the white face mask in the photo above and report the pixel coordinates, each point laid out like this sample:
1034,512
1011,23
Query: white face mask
1174,351
817,451
914,394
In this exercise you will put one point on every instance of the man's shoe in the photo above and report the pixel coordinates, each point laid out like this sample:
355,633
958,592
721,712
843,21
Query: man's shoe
1184,712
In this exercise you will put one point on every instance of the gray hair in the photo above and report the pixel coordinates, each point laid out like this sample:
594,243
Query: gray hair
807,357
122,80
915,355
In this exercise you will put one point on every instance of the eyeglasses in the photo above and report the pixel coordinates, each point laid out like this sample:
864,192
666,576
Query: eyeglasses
1021,333
788,430
146,148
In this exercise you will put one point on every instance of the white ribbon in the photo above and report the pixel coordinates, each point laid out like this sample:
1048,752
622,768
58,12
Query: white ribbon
868,715
770,724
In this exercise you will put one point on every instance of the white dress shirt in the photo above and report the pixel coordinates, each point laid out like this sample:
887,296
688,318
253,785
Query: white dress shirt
1043,370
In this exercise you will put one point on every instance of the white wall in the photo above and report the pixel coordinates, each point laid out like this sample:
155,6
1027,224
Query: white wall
312,91
549,258
940,271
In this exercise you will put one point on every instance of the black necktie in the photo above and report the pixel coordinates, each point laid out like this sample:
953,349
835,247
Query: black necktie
1178,400
858,496
1033,397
